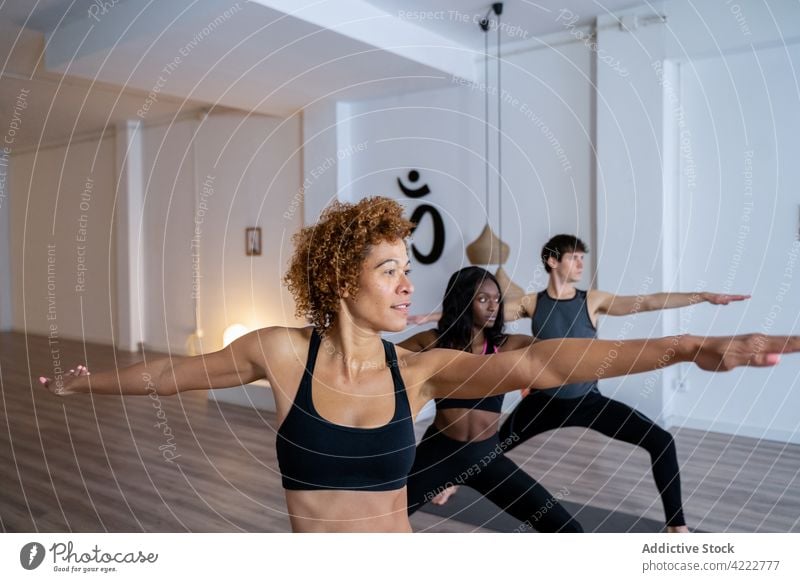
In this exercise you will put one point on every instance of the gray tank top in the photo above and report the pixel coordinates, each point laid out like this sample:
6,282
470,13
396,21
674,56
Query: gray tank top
562,318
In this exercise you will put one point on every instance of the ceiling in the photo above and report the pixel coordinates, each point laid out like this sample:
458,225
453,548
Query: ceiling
44,15
520,19
89,67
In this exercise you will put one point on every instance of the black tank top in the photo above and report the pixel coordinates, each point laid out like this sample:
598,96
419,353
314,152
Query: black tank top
562,318
488,403
315,454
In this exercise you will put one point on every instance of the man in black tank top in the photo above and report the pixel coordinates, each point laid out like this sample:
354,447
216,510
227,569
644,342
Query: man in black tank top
562,311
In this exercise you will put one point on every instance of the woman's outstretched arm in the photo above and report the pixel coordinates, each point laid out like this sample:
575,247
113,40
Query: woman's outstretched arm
553,363
432,317
239,363
420,342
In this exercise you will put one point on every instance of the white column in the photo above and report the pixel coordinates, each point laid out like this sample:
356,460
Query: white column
128,222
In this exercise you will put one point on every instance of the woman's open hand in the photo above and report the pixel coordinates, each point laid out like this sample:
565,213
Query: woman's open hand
64,384
719,354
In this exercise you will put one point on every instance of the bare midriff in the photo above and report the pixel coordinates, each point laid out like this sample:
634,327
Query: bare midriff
348,511
465,425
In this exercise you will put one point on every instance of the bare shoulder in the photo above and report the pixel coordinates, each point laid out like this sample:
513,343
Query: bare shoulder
282,352
409,355
598,301
416,367
427,337
528,304
517,342
282,341
419,365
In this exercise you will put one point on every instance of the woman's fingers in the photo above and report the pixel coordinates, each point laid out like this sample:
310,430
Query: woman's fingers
759,350
763,360
722,299
777,344
79,370
763,350
791,344
48,384
730,298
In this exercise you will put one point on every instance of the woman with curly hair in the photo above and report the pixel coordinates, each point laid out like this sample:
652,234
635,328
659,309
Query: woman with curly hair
346,399
461,446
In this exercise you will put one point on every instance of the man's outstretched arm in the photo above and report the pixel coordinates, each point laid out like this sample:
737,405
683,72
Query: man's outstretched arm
610,304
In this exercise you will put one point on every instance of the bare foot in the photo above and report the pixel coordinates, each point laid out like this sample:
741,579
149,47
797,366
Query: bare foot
677,529
442,498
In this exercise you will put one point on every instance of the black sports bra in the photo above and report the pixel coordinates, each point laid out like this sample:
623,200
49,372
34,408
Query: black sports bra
315,454
489,403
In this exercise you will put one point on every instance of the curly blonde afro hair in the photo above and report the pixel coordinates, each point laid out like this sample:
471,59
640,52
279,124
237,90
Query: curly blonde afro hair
329,255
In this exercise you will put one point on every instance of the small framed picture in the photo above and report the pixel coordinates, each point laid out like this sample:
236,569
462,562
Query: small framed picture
252,241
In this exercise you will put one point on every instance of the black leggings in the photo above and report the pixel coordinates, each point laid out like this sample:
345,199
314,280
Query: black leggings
442,462
539,412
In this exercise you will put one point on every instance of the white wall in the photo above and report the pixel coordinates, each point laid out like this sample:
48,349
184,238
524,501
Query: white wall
641,168
547,158
627,204
546,161
59,196
252,165
739,229
547,164
248,173
630,244
320,178
430,132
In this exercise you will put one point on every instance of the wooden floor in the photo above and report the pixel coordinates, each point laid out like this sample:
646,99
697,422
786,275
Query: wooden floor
87,463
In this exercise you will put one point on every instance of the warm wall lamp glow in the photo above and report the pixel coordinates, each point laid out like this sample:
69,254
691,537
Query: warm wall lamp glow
233,332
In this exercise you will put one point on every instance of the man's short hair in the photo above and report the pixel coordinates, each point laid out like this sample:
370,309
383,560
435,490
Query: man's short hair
560,244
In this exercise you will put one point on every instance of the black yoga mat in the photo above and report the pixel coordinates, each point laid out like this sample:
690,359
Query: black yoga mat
469,506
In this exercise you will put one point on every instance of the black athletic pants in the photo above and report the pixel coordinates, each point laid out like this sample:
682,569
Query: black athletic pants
442,462
539,412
